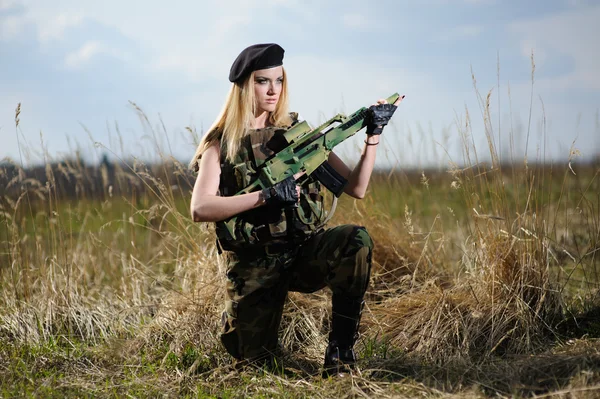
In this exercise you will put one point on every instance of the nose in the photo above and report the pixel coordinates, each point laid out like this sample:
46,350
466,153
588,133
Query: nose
272,89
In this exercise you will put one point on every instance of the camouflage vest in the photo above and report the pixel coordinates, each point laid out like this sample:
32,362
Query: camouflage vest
265,224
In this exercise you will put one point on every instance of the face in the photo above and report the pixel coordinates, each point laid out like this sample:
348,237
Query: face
267,88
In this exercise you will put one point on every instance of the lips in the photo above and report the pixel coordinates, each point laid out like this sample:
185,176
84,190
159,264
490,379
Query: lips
271,101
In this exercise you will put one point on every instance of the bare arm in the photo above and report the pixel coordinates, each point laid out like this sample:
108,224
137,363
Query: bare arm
206,205
358,178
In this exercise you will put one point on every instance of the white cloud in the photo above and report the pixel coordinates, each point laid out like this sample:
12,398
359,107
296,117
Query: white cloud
469,30
461,32
194,66
572,34
185,38
458,2
355,21
480,1
581,3
322,86
192,39
7,4
540,55
49,26
197,41
11,26
205,58
283,2
55,27
89,50
83,55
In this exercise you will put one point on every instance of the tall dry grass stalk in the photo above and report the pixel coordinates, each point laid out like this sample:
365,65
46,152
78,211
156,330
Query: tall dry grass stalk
104,254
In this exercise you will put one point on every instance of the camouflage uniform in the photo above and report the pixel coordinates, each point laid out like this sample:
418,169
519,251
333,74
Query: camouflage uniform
269,252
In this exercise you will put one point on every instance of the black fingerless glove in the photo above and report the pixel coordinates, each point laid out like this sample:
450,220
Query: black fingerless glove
378,116
281,194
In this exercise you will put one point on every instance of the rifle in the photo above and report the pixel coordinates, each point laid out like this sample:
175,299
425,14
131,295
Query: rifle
302,149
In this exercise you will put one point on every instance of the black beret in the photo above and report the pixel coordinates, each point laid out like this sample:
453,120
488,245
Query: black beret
253,58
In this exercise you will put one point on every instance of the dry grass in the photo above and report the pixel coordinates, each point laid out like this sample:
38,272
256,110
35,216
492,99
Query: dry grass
108,289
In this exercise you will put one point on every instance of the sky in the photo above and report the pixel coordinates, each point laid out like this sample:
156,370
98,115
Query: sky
82,70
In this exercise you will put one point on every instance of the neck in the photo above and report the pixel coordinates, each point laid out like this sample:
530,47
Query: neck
261,119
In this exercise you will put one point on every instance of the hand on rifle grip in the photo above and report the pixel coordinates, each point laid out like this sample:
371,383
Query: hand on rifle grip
282,194
380,114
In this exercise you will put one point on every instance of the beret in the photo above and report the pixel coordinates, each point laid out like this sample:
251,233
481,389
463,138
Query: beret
255,57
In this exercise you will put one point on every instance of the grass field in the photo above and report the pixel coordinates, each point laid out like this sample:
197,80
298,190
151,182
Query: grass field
485,284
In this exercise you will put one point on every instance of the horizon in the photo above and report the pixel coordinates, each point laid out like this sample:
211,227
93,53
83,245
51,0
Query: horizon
76,67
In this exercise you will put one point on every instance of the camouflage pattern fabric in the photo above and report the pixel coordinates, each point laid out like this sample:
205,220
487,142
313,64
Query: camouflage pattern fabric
260,225
257,285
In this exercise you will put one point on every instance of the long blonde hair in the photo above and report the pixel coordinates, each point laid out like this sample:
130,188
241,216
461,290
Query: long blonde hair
236,117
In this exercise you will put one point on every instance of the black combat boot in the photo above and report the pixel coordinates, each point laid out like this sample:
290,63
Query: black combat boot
340,358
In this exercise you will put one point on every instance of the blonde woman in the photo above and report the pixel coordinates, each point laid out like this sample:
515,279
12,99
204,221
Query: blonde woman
273,241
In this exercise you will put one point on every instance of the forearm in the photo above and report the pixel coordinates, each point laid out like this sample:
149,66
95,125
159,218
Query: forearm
213,208
358,181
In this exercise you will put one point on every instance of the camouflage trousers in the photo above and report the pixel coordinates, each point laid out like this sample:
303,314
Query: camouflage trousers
257,286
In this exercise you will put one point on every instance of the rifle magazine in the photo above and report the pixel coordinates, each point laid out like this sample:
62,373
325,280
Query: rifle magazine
330,178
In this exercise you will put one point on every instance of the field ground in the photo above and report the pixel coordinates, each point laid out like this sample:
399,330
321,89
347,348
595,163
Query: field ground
485,284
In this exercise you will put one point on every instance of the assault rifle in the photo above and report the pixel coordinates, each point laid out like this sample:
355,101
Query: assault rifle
302,149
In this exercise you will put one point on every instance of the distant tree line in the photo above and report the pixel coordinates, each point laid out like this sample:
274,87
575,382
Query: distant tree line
76,179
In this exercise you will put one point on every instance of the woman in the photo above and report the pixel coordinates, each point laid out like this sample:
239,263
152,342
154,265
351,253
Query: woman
273,240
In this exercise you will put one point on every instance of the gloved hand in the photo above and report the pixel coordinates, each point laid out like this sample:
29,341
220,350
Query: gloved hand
378,116
282,194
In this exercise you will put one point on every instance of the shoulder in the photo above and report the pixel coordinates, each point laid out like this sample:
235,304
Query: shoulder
214,141
213,151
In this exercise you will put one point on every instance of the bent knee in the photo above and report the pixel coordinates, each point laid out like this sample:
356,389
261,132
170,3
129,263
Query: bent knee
358,238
